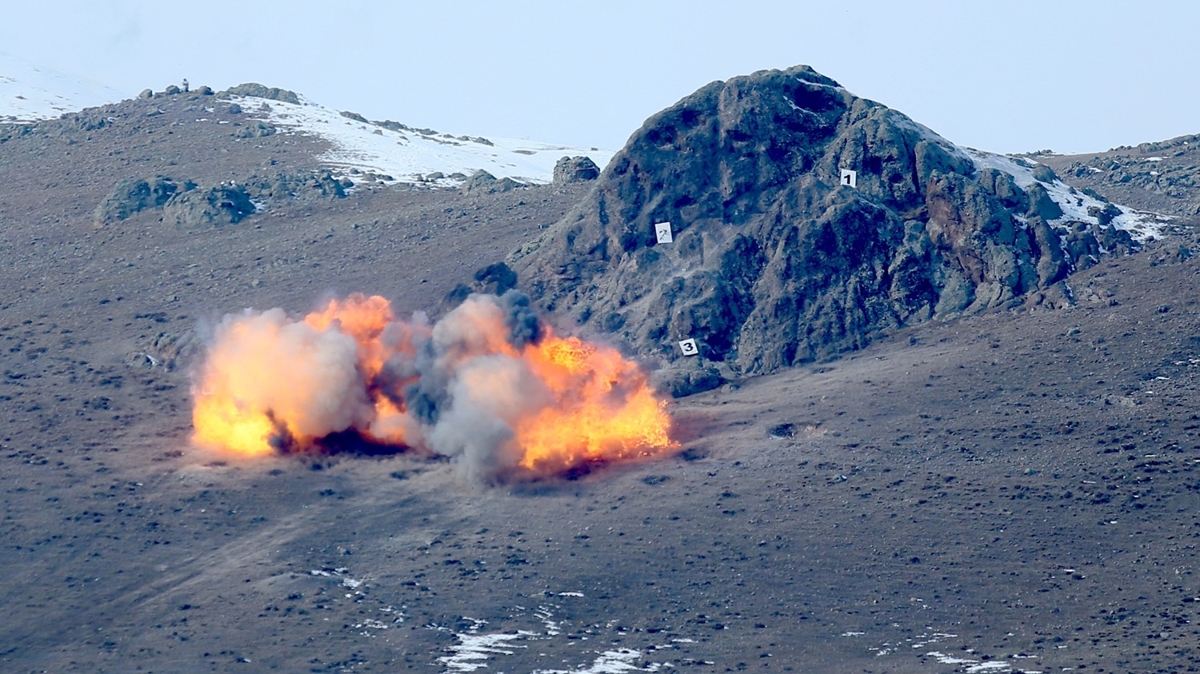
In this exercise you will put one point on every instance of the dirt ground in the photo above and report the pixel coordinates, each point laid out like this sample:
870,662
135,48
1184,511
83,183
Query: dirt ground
1017,491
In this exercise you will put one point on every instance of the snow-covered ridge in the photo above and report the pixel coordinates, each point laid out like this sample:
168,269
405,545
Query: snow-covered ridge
411,155
1074,204
29,93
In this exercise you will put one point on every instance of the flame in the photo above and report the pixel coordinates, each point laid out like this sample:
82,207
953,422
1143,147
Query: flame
603,409
269,380
363,318
271,383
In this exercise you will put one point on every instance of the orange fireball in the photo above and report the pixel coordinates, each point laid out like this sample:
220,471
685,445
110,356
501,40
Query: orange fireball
492,387
362,318
603,408
269,381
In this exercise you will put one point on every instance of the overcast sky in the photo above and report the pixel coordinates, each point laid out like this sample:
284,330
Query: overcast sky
1002,76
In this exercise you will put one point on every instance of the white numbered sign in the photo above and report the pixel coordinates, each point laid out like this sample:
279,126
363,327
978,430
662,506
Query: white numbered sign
663,231
688,347
849,178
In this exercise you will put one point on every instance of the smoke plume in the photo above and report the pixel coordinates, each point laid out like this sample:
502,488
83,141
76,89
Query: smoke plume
489,384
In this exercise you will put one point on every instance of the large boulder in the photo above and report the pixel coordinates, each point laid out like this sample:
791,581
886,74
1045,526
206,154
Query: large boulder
316,185
134,195
778,256
225,204
256,90
482,182
569,170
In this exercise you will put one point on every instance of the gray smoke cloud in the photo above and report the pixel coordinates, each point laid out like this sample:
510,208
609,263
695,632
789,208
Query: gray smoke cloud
469,393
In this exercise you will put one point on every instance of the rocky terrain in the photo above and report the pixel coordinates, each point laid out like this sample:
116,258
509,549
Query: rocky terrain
777,260
1012,487
1162,176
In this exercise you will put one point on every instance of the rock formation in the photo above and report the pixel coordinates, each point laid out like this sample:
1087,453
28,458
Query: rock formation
781,255
183,204
483,182
260,91
224,204
132,196
575,170
1162,176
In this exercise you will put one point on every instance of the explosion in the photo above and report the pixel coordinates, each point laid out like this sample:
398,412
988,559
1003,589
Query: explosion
489,384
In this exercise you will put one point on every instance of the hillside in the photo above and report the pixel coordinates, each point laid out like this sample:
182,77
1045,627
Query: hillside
29,93
355,148
407,154
1009,490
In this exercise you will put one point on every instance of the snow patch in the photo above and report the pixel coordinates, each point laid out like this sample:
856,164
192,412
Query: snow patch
473,650
609,662
409,155
970,661
1140,224
328,571
546,615
29,93
809,82
948,659
477,649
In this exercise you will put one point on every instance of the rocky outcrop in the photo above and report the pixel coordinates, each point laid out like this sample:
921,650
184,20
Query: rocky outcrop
319,185
225,204
778,255
483,182
257,90
570,170
255,129
132,196
183,204
1163,176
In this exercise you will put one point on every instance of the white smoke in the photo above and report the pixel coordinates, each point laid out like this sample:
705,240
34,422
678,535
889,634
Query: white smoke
291,369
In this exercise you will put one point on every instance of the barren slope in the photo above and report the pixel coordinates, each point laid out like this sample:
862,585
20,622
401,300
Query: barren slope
1016,488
